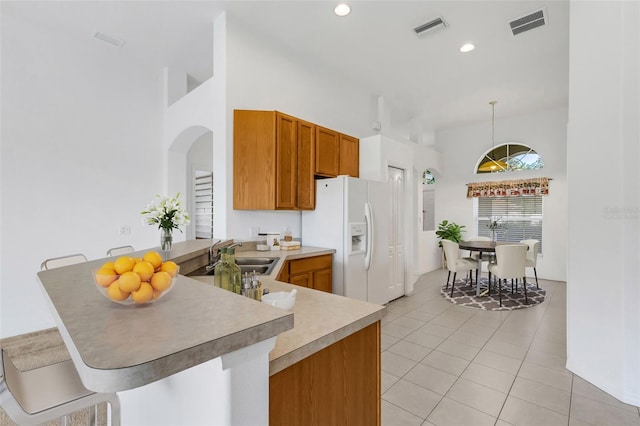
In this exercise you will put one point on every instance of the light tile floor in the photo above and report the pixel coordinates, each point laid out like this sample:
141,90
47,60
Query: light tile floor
448,365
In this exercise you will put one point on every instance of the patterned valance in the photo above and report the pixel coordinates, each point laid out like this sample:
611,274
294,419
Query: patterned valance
509,188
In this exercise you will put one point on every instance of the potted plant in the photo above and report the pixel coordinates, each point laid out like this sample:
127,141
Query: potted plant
449,231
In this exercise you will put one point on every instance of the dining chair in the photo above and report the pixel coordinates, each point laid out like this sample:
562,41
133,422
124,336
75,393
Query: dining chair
456,264
57,262
486,257
117,251
510,264
48,393
532,256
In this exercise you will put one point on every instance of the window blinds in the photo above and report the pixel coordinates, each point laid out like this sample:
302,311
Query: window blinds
522,217
203,190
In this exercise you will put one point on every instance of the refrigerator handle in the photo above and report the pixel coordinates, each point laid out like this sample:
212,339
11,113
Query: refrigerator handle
368,217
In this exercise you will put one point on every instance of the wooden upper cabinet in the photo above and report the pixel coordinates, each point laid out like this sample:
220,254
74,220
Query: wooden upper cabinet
254,160
327,152
349,156
306,196
272,161
276,158
286,161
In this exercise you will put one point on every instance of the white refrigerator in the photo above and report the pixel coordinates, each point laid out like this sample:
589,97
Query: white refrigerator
352,217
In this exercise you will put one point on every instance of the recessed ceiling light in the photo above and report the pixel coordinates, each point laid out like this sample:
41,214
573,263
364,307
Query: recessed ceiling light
342,9
467,47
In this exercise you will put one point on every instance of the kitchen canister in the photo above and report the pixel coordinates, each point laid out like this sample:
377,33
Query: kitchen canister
273,240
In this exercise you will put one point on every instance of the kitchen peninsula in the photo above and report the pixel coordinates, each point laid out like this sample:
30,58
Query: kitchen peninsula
204,351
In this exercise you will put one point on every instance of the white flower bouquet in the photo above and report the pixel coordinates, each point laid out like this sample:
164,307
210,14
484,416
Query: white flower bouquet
166,212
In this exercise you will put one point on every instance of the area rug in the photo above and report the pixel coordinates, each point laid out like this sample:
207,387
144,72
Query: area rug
465,295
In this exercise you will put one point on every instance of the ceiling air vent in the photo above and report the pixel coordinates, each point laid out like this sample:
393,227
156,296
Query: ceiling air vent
430,26
529,22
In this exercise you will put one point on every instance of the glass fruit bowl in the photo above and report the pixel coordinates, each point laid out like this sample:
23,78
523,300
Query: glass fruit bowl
136,281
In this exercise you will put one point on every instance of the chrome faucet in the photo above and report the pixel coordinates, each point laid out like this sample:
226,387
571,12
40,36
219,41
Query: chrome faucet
214,253
234,245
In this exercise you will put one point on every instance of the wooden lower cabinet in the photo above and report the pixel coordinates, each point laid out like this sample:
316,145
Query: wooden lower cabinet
312,272
339,385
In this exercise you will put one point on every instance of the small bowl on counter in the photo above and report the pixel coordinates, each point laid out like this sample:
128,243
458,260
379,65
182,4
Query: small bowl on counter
281,299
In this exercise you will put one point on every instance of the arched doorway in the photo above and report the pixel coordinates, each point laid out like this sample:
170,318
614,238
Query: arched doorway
190,155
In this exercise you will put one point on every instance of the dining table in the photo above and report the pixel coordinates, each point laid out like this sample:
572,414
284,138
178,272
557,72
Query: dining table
482,246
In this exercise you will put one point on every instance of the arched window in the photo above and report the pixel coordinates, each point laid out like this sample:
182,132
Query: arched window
428,178
509,157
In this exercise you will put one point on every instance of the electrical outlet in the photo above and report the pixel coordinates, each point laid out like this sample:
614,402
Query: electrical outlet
125,230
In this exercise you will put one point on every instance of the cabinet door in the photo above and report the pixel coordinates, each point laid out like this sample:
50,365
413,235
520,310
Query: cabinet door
284,273
322,280
306,155
286,161
254,158
349,156
304,280
327,152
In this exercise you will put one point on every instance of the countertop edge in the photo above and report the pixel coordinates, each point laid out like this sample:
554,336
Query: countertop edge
287,360
143,374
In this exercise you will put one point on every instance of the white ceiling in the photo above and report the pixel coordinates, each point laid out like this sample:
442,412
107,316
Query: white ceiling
424,77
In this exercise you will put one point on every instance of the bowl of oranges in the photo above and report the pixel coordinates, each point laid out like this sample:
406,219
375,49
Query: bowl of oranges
136,281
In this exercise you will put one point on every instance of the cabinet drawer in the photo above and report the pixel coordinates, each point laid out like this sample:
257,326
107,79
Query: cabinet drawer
299,266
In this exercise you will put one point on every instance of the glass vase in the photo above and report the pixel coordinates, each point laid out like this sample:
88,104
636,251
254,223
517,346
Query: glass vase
166,240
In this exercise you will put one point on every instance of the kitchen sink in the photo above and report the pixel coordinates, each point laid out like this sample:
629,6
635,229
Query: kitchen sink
262,265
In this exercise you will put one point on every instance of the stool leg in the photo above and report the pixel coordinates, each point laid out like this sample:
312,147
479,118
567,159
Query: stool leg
536,275
524,280
93,415
448,276
500,290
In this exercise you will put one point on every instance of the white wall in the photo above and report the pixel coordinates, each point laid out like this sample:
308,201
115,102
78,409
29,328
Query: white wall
263,76
462,147
81,155
603,296
193,115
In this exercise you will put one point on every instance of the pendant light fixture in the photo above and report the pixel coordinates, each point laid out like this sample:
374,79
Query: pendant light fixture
492,164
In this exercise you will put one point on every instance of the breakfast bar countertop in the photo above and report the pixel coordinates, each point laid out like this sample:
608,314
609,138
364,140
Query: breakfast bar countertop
117,347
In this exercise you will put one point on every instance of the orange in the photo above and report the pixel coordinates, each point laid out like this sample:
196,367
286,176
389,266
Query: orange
123,264
161,281
170,267
129,281
143,294
136,259
153,258
156,294
104,277
115,293
108,265
144,269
